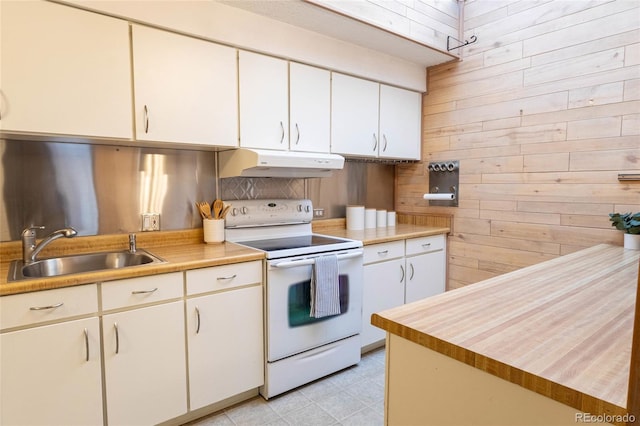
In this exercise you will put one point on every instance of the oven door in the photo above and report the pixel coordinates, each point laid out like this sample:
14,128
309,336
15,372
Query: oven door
290,328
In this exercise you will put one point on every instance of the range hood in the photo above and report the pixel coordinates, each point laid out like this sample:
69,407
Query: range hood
270,163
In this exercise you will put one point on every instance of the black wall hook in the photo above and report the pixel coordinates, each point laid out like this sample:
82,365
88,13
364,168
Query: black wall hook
472,39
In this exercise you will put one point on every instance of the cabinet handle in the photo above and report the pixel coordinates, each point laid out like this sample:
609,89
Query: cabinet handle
298,132
144,291
402,269
44,308
198,320
384,138
146,119
375,142
282,129
412,271
227,278
86,343
383,252
115,326
426,245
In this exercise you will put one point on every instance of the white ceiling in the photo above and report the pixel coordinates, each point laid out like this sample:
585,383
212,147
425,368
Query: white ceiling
318,19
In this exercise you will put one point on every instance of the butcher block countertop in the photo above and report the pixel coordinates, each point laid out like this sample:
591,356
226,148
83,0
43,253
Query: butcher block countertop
378,235
181,250
562,328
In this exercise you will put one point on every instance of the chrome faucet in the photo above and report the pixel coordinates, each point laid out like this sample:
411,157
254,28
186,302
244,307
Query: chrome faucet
29,247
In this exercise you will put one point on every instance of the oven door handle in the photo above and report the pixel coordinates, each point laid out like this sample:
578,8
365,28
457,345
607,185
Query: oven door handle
311,261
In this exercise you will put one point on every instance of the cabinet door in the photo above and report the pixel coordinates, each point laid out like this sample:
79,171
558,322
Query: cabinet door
425,275
52,375
400,123
64,71
264,101
383,289
224,332
145,365
185,89
310,97
354,116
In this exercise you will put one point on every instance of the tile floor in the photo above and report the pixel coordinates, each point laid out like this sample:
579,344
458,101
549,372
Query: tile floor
354,396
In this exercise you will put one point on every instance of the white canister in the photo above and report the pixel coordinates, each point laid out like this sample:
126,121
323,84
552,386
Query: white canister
391,218
355,218
370,218
213,230
381,218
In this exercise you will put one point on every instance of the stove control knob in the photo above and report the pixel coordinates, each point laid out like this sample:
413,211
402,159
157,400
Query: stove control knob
307,208
244,210
234,211
299,207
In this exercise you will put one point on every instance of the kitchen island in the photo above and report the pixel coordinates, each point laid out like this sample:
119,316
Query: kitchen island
542,345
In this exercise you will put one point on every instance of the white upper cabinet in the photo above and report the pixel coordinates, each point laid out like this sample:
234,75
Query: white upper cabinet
400,123
264,101
64,71
185,89
369,119
310,108
354,116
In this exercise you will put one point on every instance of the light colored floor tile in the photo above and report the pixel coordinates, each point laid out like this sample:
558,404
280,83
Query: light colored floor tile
311,415
351,397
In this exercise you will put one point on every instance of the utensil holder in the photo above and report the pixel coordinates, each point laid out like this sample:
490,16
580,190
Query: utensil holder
213,230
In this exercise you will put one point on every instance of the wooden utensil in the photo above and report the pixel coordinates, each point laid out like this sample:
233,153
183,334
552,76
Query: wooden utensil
205,210
218,206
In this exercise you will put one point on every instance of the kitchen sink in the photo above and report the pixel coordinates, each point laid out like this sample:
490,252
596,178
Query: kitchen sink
74,264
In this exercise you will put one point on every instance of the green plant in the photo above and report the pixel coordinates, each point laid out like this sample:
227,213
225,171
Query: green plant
627,222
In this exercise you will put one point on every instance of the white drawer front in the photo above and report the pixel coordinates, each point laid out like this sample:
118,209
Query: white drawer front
383,251
141,290
224,277
40,306
425,244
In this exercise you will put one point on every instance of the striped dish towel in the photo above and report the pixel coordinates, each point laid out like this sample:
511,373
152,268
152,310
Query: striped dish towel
325,287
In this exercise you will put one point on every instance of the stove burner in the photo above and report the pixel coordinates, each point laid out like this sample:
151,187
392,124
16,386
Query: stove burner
304,241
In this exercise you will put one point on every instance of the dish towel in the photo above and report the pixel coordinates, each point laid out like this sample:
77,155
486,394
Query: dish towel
325,287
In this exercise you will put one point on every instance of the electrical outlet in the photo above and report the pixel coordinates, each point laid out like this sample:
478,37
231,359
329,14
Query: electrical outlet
318,212
151,221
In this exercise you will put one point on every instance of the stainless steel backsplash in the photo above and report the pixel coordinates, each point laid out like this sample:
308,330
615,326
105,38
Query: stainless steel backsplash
104,189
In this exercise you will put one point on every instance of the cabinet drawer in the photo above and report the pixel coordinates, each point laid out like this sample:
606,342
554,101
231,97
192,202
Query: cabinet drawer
223,277
383,251
137,291
40,306
425,244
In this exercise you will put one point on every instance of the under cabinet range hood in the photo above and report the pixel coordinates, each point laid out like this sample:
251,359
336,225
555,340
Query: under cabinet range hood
247,162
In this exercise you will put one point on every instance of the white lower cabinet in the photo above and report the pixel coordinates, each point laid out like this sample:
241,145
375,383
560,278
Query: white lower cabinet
52,375
400,272
144,351
224,332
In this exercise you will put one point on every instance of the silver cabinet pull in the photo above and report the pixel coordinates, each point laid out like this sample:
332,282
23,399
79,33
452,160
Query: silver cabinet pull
144,291
86,343
426,245
298,132
43,308
383,252
227,278
384,138
375,142
402,269
198,320
282,128
412,271
146,119
115,327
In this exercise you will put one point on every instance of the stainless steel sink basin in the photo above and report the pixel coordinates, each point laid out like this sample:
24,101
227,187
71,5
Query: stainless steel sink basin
90,262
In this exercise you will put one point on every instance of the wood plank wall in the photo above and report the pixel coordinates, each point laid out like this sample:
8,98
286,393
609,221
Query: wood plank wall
428,22
543,112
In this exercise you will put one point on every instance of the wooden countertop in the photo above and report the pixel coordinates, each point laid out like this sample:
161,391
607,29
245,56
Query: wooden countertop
182,250
562,328
382,235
